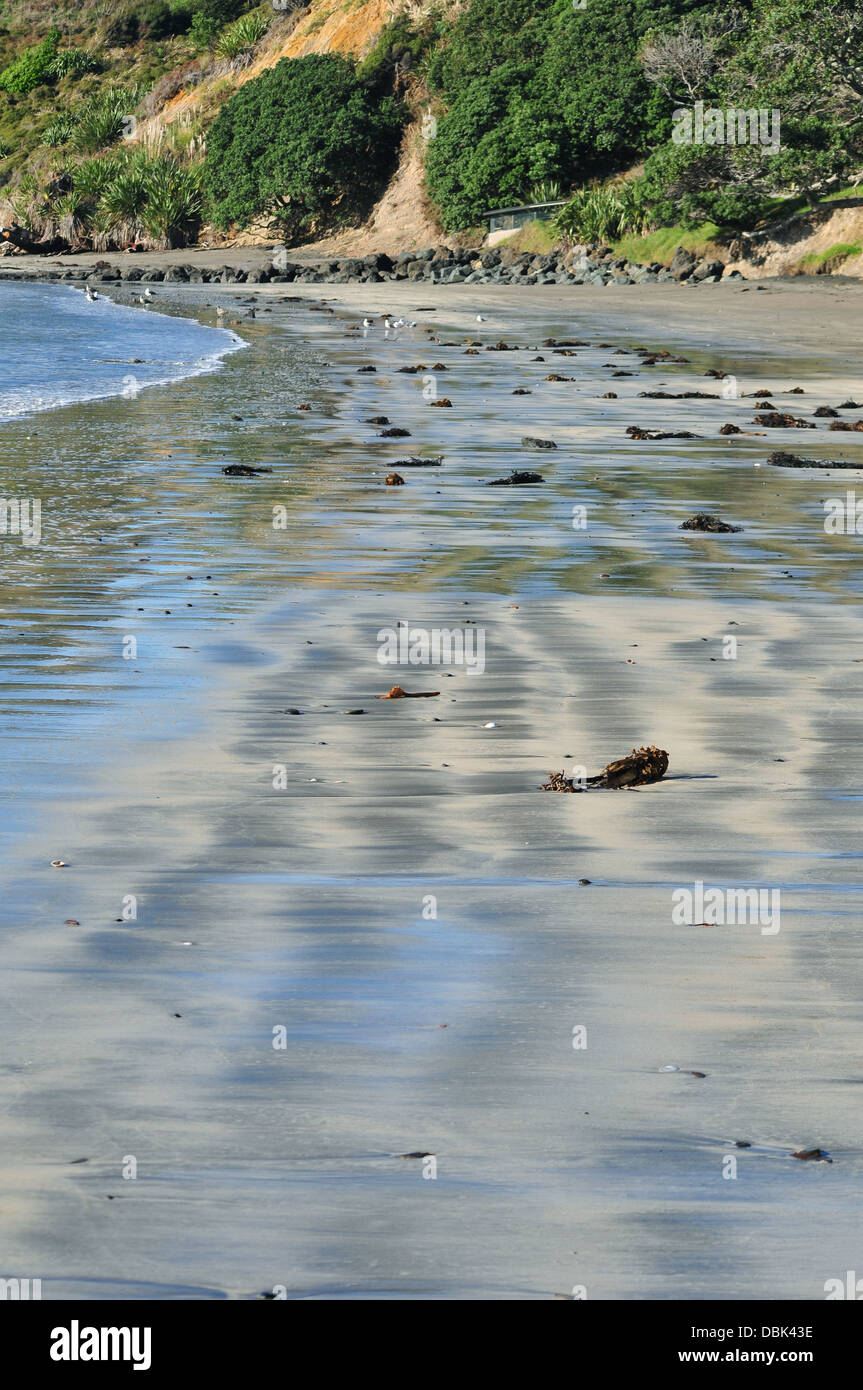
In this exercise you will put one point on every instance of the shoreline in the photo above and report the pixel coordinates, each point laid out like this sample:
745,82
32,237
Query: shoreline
453,1033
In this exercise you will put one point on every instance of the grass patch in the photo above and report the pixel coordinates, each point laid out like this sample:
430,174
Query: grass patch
537,238
662,244
848,192
831,259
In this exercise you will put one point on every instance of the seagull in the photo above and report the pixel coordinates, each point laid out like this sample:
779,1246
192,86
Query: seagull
367,323
480,318
148,294
91,295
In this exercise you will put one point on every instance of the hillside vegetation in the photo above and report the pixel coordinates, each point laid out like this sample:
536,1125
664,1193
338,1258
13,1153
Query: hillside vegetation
144,122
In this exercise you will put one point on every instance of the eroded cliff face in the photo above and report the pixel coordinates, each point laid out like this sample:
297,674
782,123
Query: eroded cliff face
325,26
819,242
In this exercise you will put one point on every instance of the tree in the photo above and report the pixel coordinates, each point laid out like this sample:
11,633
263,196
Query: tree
305,143
535,90
803,60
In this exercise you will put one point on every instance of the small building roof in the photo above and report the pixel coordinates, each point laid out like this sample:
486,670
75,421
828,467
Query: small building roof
525,207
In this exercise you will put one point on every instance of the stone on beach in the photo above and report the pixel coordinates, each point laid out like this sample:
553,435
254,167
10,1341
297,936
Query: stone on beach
636,432
703,521
517,478
779,459
775,420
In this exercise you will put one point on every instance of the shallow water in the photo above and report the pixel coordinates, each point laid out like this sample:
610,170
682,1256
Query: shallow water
59,348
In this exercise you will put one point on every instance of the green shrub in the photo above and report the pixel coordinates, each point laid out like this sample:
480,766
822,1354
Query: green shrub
603,214
158,19
74,61
174,201
401,45
59,131
305,143
495,143
691,184
242,34
536,90
32,67
92,176
222,11
102,119
202,31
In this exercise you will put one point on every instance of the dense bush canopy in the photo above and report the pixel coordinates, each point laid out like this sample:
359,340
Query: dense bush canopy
304,142
535,89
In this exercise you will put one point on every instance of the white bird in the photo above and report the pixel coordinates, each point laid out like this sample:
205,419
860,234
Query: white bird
367,323
480,318
91,295
148,294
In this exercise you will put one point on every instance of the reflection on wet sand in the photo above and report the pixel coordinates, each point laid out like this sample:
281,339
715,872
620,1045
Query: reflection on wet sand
360,936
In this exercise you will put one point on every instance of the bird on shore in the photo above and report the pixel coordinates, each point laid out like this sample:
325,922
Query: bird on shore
480,318
148,294
91,295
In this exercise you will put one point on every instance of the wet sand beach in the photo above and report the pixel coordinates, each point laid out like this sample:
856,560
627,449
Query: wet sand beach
360,936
